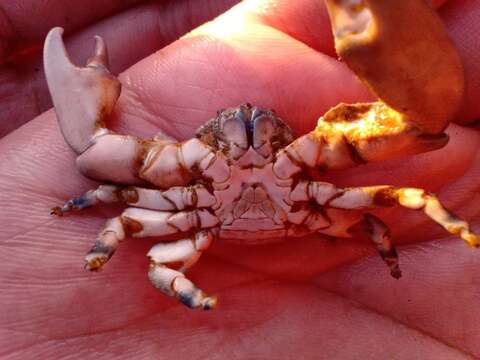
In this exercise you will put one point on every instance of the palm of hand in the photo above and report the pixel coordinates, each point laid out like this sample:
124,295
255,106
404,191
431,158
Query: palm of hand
301,297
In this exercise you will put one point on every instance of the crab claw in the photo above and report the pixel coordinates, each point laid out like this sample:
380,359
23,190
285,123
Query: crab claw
83,97
401,50
375,132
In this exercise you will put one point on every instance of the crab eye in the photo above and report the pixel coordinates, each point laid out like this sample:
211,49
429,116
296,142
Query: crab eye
235,135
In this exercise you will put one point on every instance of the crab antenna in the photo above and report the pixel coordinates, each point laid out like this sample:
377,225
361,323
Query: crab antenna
83,97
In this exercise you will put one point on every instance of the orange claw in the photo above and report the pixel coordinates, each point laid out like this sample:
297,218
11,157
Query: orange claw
402,52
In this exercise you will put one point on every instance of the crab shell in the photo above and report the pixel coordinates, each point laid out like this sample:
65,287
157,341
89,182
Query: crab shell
244,177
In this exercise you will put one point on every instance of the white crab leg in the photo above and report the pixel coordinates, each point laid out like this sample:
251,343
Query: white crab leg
83,97
143,223
173,282
328,195
175,198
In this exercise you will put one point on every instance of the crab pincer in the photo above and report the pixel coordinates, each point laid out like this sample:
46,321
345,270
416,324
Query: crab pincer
83,97
401,51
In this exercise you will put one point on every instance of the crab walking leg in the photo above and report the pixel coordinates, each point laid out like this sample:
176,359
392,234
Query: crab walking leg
173,282
328,195
143,223
176,198
379,233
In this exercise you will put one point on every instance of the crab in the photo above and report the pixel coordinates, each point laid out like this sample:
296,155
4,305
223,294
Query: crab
244,177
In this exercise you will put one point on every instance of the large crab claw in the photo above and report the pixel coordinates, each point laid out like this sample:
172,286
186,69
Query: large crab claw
401,50
83,97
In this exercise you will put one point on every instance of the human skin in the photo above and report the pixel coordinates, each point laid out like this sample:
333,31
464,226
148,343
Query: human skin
311,298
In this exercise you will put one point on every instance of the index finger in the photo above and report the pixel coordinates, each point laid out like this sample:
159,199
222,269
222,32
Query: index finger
27,21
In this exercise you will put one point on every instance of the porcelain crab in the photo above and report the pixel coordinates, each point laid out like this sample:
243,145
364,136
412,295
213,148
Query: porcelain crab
245,177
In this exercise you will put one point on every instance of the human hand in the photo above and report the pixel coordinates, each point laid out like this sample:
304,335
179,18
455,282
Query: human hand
306,298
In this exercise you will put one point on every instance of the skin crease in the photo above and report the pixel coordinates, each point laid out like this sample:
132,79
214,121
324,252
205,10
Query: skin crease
310,298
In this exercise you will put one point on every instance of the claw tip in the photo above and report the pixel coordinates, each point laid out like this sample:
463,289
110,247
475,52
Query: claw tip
396,273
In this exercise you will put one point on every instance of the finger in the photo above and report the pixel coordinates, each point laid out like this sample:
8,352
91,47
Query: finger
461,18
26,22
130,36
230,61
304,20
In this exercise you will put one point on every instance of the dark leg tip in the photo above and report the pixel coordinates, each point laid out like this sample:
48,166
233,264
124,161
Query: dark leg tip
206,303
186,300
57,211
95,261
396,273
87,267
209,303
